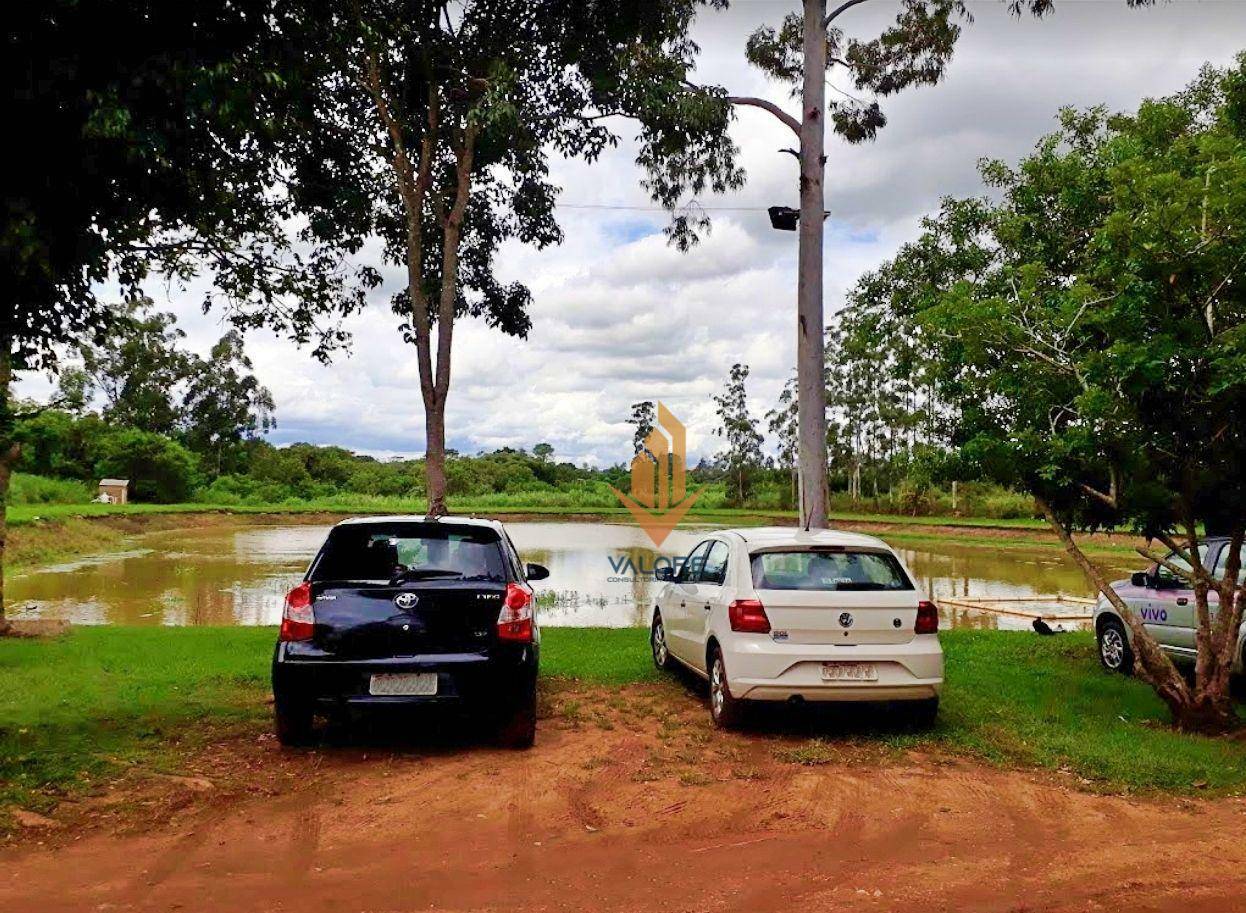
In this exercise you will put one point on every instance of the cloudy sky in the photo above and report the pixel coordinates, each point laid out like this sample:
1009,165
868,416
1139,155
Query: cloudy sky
618,316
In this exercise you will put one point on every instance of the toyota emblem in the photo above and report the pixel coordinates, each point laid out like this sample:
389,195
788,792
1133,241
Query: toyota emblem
406,601
845,619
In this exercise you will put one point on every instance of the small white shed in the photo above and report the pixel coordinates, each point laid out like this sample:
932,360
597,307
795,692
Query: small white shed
114,491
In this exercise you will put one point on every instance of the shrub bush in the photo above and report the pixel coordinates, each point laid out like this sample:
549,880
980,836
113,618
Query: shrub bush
31,489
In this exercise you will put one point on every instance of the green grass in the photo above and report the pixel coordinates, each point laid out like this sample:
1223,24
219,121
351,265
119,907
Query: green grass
604,656
79,708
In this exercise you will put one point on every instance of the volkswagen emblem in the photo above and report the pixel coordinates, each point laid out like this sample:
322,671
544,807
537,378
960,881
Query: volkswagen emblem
406,601
845,619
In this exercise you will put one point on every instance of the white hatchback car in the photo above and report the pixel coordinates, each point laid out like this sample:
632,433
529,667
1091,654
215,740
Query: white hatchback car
781,614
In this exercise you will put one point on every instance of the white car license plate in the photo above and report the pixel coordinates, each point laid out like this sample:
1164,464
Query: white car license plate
849,672
409,684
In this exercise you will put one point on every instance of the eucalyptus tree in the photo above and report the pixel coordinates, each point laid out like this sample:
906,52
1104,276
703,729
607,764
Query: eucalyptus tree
642,421
432,129
738,429
225,404
1092,340
914,50
781,422
139,367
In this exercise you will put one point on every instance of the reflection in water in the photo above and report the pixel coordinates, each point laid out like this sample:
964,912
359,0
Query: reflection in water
239,575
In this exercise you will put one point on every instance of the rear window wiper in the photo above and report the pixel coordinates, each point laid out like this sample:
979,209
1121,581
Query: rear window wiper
861,586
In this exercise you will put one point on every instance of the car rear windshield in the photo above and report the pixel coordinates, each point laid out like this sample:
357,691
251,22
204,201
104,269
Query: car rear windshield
410,551
819,569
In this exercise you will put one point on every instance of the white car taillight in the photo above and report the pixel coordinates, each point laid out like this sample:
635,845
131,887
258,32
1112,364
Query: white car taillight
927,618
748,616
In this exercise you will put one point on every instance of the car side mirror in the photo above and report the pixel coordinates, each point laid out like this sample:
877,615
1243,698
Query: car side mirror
664,574
1140,579
536,571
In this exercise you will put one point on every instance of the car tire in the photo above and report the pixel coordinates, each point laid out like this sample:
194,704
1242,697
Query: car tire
657,644
726,712
292,721
518,729
1115,654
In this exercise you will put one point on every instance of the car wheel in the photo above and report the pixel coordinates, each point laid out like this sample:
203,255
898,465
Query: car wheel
292,721
518,729
1114,651
657,643
726,711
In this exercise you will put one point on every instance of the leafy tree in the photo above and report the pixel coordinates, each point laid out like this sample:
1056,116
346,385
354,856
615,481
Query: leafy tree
738,429
543,452
56,443
432,129
781,421
160,158
73,389
1092,344
159,468
643,418
224,403
914,50
139,367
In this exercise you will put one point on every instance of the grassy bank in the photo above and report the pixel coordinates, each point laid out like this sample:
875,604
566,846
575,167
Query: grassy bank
21,514
79,708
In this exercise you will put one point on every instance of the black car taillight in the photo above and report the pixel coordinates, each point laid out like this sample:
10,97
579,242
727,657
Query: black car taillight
297,619
515,619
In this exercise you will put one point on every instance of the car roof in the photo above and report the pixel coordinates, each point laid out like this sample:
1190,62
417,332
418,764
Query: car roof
419,518
777,536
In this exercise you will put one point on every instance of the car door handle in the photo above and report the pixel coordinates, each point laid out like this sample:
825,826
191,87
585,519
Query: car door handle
707,607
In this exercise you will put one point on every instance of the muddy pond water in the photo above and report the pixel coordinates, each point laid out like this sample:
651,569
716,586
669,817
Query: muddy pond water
600,576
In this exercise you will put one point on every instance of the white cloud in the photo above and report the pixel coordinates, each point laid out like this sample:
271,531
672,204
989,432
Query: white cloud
619,316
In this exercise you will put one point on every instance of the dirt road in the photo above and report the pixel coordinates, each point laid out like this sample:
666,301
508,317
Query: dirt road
624,806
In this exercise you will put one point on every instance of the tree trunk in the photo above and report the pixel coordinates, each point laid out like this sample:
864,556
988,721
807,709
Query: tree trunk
9,452
1154,667
435,458
810,325
7,459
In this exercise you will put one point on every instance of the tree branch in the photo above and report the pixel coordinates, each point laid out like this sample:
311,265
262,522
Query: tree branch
792,123
842,8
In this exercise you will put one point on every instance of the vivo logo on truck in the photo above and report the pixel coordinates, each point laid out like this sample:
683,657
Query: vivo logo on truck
1153,614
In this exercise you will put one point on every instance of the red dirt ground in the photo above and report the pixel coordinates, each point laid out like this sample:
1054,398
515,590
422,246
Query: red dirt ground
623,805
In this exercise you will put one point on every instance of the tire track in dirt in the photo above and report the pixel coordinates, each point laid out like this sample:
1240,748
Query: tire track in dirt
589,820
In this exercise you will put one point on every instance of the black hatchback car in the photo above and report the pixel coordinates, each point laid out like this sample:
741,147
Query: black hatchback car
411,611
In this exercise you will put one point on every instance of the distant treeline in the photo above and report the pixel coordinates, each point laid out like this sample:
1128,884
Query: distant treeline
64,456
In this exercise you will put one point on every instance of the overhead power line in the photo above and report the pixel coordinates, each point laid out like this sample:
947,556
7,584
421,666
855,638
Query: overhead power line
623,206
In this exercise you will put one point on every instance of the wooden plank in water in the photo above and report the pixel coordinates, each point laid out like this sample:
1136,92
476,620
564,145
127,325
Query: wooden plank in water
976,606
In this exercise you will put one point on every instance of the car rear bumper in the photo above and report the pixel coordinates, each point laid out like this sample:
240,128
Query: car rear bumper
762,670
302,673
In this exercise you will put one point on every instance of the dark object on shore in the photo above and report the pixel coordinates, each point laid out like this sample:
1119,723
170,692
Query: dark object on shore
1042,627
